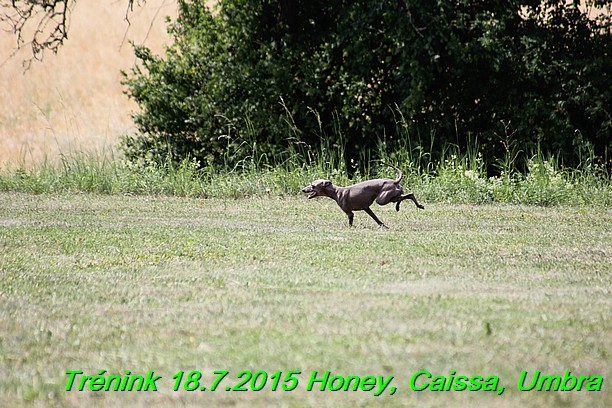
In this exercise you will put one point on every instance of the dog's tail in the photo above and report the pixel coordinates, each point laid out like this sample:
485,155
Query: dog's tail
399,172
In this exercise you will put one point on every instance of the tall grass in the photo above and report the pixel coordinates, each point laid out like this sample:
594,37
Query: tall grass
462,178
457,177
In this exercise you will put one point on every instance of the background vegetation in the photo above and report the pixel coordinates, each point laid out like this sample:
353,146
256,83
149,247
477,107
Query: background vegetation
456,178
507,77
255,102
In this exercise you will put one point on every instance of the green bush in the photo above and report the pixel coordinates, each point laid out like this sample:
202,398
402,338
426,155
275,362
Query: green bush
255,77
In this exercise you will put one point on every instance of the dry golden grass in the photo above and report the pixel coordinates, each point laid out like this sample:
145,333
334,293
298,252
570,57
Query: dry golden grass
74,100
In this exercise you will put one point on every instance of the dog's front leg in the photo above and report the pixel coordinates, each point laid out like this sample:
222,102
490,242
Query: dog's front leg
371,214
350,216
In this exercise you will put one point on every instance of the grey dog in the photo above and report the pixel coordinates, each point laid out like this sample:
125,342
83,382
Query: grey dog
360,196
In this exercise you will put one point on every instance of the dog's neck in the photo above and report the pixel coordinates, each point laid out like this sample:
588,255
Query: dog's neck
334,192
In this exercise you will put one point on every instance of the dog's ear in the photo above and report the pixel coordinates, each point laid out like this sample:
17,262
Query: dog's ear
326,183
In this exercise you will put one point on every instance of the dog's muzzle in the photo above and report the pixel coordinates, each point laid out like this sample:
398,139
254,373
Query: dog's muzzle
309,189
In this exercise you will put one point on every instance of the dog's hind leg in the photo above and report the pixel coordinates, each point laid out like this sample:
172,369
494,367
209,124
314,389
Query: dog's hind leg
387,196
408,197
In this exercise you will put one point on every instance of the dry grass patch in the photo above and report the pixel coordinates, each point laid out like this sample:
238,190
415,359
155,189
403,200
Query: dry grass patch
74,100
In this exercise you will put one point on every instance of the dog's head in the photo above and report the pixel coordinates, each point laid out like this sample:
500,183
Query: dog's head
318,188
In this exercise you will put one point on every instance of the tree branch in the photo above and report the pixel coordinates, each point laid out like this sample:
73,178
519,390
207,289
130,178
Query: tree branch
42,24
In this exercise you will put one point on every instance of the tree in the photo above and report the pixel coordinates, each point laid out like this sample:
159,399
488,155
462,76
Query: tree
451,69
42,24
435,72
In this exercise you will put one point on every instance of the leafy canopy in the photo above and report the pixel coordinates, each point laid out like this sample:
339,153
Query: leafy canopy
277,72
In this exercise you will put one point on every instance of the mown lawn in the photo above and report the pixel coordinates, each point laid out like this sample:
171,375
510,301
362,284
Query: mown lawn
167,284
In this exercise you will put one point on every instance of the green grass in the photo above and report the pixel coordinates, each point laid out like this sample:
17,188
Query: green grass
456,178
108,282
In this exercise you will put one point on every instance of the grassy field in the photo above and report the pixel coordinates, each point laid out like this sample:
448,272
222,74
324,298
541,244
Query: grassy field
143,283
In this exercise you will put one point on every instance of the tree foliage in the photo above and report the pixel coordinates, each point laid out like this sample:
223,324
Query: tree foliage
534,73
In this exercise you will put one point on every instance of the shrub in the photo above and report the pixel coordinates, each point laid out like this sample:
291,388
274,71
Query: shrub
257,76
